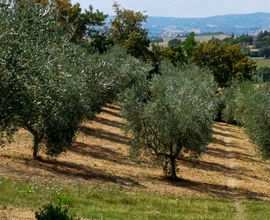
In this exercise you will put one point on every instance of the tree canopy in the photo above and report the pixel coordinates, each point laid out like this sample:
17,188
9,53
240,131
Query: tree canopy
48,84
72,17
127,31
225,60
173,54
265,52
176,117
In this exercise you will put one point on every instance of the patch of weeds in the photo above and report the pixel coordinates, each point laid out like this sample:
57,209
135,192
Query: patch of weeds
64,198
95,164
49,212
26,189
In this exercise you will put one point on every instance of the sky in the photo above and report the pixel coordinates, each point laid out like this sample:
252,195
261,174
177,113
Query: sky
181,8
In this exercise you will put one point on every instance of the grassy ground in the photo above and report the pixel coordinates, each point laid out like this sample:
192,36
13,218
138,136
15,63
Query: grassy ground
99,202
262,62
256,210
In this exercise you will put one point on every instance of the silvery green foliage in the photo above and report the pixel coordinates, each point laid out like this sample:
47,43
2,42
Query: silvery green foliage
254,105
39,76
228,105
49,85
171,114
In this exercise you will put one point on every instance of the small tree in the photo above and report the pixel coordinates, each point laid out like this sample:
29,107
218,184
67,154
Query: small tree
189,44
175,116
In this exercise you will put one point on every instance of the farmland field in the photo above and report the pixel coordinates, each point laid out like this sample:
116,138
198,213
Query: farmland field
102,182
262,62
204,38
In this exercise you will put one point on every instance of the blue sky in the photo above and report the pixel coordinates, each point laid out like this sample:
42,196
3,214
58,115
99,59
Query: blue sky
182,8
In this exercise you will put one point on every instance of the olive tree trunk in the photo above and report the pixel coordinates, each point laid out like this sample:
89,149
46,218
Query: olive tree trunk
173,168
37,139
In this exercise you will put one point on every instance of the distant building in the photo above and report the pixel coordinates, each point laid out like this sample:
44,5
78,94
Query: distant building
255,39
254,52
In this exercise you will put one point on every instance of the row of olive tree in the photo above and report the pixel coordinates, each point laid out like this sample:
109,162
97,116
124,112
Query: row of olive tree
247,104
49,85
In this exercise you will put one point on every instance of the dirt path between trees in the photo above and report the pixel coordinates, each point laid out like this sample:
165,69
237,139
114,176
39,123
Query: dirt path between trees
229,169
232,178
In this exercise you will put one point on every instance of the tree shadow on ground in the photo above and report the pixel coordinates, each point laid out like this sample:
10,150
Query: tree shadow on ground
224,144
215,167
111,113
225,135
99,152
216,152
223,191
218,141
77,171
116,108
108,122
102,134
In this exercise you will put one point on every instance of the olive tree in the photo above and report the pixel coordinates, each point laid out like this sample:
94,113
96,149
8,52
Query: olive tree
171,114
49,85
227,104
253,104
39,77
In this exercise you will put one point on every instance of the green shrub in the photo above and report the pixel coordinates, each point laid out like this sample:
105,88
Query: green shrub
50,212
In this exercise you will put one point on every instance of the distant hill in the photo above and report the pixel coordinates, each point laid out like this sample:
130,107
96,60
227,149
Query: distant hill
233,23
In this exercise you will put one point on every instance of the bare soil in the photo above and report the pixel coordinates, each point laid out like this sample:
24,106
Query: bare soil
229,169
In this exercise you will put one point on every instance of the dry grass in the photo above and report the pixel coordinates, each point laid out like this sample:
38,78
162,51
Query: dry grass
230,168
16,214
